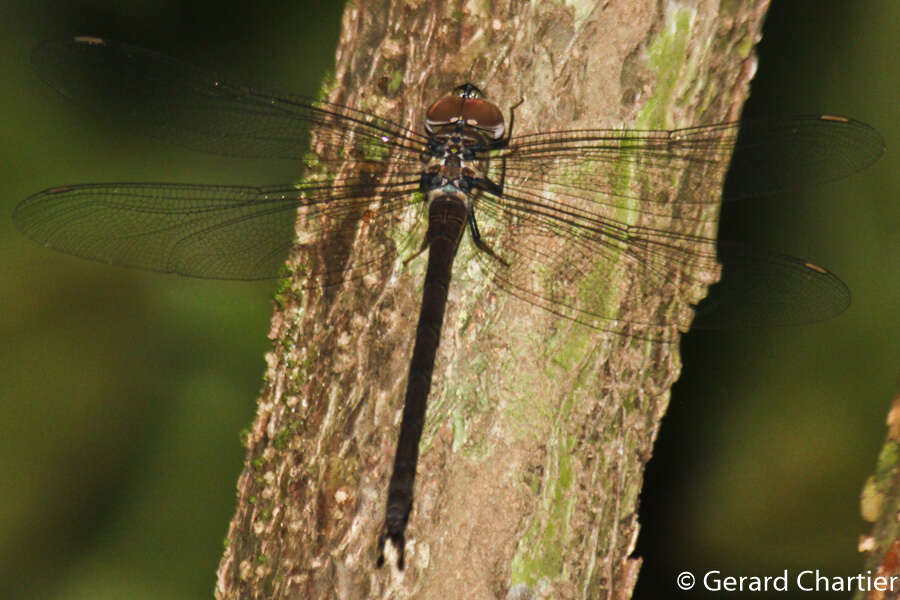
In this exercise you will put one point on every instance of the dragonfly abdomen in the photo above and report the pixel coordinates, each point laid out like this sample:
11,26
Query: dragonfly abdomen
447,216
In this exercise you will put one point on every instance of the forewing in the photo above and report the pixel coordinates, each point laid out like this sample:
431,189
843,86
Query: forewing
764,157
170,100
783,155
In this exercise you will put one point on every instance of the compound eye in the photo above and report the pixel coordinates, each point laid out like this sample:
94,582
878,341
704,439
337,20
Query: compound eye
484,115
474,112
445,111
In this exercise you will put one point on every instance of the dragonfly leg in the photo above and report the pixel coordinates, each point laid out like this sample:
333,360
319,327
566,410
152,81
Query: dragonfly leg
421,249
512,115
479,243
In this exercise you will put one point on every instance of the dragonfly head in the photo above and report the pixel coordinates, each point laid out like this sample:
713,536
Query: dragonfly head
465,110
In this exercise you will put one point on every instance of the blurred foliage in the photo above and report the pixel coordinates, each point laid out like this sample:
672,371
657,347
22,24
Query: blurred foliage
123,392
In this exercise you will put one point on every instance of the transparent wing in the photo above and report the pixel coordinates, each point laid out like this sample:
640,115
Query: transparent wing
762,157
566,260
220,232
587,212
568,271
170,100
763,289
595,206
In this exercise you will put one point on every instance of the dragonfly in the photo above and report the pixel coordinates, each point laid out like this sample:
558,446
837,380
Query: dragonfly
545,212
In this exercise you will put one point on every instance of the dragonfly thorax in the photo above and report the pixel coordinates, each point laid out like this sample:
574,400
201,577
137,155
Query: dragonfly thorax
440,184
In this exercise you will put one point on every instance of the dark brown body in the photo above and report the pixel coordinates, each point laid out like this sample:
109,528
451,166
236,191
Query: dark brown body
446,223
462,127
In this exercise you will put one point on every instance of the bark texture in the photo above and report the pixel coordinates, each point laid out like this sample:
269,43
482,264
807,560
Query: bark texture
538,429
881,505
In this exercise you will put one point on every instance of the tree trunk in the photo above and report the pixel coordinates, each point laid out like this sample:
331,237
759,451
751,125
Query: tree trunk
538,429
880,504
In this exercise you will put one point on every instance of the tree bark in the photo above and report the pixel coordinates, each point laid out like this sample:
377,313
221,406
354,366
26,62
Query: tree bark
880,504
538,429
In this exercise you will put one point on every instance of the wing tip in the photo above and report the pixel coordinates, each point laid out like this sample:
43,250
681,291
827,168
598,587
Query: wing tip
89,40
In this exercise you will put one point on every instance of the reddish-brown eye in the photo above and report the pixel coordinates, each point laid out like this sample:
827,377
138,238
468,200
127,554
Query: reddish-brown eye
446,110
483,114
473,112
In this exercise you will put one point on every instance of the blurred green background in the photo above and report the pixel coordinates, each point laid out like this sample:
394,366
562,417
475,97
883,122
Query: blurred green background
122,393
